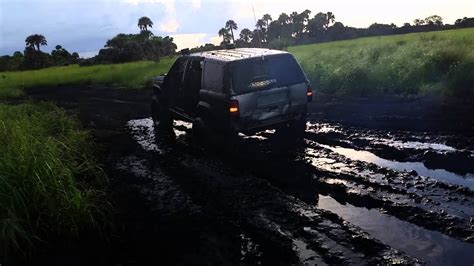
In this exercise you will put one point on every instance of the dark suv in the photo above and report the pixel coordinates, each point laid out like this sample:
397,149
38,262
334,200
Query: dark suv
236,90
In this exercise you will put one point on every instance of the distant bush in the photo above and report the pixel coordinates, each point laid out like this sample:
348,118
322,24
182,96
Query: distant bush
34,59
120,49
133,47
280,44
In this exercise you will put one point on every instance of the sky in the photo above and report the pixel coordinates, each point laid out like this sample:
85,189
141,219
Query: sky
84,26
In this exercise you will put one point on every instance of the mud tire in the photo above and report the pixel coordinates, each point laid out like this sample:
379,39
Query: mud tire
199,131
162,119
204,134
230,140
294,131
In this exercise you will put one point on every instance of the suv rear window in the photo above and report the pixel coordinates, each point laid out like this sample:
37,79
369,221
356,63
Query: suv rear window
271,71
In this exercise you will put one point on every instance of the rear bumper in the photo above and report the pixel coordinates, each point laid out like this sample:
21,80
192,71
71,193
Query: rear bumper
251,127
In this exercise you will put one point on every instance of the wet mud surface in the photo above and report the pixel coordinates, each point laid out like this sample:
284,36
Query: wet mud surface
345,194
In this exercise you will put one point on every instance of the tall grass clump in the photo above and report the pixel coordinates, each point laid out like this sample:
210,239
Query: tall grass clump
433,63
130,75
50,184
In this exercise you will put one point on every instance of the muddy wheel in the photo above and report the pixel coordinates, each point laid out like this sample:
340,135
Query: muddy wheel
231,139
162,119
298,128
203,133
293,131
198,129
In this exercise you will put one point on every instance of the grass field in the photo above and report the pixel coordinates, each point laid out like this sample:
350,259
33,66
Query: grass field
431,63
50,184
132,75
419,63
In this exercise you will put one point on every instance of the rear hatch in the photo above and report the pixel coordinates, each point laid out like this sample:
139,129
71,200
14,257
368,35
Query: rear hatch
267,87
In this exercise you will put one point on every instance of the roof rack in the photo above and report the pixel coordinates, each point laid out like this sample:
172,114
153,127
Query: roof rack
238,53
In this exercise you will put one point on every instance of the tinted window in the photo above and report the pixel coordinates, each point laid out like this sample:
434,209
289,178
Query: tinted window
213,76
272,71
177,70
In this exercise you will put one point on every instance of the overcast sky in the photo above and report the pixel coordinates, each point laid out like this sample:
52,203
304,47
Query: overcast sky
85,25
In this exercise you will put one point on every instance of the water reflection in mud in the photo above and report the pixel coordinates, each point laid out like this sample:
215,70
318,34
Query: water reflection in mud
412,144
142,132
181,127
306,255
439,174
250,252
429,246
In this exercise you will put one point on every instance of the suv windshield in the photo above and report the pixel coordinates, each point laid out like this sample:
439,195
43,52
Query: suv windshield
270,71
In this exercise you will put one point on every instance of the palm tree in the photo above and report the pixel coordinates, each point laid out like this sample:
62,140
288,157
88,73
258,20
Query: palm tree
260,24
330,18
294,17
267,18
36,40
283,19
144,23
231,25
246,35
225,35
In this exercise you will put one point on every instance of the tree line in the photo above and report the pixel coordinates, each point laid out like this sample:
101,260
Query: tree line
302,28
34,58
133,47
121,48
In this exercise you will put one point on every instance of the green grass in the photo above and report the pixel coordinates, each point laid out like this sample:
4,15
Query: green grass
439,63
131,75
431,63
50,184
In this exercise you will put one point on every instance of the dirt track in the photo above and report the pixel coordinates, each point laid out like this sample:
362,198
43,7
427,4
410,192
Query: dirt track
340,196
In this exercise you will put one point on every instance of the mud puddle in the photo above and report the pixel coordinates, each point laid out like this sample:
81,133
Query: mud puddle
184,208
439,174
270,216
418,145
361,175
306,255
429,246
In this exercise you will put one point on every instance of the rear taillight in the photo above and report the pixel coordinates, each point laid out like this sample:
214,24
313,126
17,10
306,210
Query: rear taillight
234,108
309,93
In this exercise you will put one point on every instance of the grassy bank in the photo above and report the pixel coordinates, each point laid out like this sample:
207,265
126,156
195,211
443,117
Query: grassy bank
50,185
440,63
132,75
431,63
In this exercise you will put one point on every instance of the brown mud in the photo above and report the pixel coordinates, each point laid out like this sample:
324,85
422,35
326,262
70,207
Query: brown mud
373,186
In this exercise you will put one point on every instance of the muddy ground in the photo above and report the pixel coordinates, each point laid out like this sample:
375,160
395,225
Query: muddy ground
373,182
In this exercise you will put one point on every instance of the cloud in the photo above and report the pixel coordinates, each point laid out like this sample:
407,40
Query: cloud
196,4
190,40
216,40
170,25
170,22
88,54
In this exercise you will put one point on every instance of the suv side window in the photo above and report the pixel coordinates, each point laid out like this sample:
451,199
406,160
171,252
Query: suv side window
175,75
213,76
189,96
173,82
